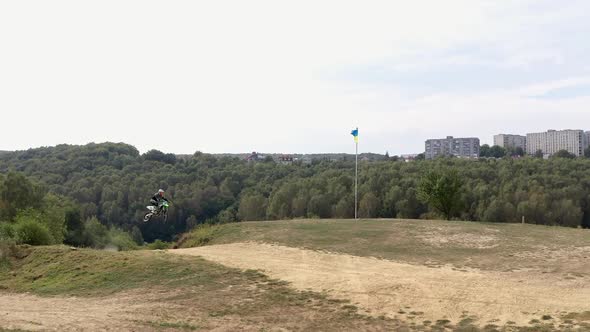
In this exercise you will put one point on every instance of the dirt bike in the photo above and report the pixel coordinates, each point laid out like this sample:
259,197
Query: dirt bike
161,210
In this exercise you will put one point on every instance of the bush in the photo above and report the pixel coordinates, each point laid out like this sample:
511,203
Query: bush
159,245
200,236
7,250
137,236
30,231
96,235
121,240
74,227
6,231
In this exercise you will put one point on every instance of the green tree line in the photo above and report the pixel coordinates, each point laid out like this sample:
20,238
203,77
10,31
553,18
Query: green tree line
29,214
113,183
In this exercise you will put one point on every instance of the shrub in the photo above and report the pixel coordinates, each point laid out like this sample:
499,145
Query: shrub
137,236
159,245
121,240
96,235
6,231
200,236
7,250
74,227
31,231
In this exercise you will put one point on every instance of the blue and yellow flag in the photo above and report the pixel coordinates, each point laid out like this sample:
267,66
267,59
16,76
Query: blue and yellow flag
355,133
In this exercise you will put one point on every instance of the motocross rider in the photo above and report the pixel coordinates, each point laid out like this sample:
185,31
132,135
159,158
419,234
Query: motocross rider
158,198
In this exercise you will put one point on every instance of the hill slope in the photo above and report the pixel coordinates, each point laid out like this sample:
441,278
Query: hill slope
486,246
155,291
534,276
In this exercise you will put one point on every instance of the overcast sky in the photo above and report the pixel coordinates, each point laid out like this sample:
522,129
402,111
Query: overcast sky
289,76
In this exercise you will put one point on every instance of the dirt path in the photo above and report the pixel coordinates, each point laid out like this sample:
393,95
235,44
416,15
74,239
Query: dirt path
34,313
407,291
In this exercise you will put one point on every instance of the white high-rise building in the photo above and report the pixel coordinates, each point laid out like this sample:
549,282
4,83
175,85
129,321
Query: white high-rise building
573,141
508,141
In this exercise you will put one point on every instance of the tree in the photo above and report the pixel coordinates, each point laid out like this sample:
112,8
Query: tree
155,155
29,230
318,207
497,151
420,156
227,215
113,182
518,151
409,207
299,206
484,151
191,222
539,154
96,235
74,227
54,216
564,154
18,193
344,208
137,236
587,152
500,211
566,213
441,189
252,207
369,206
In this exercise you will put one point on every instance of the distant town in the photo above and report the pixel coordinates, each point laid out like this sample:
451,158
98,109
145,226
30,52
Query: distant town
541,145
544,144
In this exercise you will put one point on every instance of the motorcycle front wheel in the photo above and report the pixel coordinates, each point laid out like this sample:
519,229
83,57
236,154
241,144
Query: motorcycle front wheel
147,217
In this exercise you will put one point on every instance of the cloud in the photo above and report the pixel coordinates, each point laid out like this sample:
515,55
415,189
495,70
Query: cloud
547,87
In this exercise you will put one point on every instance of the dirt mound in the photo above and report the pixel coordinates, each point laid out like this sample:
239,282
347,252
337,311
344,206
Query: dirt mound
410,292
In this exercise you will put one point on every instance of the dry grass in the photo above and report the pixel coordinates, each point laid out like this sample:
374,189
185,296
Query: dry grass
518,257
485,246
156,291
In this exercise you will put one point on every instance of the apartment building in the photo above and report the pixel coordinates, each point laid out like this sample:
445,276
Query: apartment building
509,141
460,147
549,142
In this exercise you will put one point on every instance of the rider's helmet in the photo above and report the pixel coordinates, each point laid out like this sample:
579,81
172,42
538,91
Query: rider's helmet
161,192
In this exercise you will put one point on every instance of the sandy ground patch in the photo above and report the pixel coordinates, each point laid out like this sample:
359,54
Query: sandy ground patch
460,240
407,291
115,313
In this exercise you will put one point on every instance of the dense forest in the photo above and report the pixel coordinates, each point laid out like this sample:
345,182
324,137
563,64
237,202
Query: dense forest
110,184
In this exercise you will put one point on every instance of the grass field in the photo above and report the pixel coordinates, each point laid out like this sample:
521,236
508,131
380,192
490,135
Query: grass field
157,291
89,289
470,270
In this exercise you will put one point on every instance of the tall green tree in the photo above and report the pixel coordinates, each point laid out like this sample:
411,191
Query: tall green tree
441,189
484,151
497,152
369,206
564,154
18,193
252,207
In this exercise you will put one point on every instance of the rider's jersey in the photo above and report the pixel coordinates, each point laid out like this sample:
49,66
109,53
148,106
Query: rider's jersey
158,199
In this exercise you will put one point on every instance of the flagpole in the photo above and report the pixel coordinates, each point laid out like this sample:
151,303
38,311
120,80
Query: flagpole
356,176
